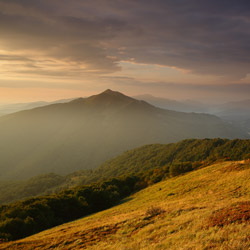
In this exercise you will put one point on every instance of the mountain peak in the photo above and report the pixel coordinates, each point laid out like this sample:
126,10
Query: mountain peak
109,97
111,92
111,100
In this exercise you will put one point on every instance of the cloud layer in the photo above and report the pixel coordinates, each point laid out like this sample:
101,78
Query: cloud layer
204,37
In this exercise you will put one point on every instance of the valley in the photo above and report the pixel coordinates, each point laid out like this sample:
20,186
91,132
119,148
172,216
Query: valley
82,134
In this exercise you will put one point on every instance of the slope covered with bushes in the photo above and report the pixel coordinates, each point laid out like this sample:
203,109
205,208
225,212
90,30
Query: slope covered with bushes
33,215
204,209
164,155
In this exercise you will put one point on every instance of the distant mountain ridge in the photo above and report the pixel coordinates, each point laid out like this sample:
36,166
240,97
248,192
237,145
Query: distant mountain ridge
181,106
6,109
235,112
82,133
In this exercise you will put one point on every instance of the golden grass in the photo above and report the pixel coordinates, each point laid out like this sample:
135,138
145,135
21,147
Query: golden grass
187,203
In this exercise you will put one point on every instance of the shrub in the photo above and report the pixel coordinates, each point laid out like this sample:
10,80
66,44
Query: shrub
236,213
180,168
153,211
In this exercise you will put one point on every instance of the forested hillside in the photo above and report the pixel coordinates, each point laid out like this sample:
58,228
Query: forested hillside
159,155
154,157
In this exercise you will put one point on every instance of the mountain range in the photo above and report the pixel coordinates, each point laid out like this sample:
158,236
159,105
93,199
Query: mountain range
176,105
235,112
6,109
84,132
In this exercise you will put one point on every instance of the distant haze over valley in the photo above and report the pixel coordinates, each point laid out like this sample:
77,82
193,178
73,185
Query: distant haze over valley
84,132
237,113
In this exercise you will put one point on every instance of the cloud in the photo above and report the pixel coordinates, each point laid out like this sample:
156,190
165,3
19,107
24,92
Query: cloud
202,37
210,93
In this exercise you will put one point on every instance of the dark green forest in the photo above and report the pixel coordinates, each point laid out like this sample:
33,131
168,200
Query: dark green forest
159,155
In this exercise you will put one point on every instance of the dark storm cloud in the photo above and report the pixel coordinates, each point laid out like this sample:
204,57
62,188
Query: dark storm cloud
205,37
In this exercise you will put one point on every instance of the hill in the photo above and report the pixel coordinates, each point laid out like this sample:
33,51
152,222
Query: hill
15,107
240,108
157,158
181,106
204,209
81,134
237,112
159,155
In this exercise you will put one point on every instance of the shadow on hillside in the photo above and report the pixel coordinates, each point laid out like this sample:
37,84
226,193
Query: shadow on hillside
124,200
91,214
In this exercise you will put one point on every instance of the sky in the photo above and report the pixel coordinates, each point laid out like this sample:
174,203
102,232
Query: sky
177,49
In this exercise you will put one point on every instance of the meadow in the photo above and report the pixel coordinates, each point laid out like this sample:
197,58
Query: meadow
191,211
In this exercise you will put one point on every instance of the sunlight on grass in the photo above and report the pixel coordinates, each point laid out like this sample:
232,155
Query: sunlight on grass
186,204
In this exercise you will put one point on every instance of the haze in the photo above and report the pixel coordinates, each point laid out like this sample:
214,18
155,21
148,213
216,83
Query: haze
174,49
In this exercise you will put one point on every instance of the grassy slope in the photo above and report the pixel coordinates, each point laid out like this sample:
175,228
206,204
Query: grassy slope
188,200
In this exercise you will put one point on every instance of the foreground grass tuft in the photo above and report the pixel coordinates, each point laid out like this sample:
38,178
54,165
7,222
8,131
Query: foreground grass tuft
154,211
